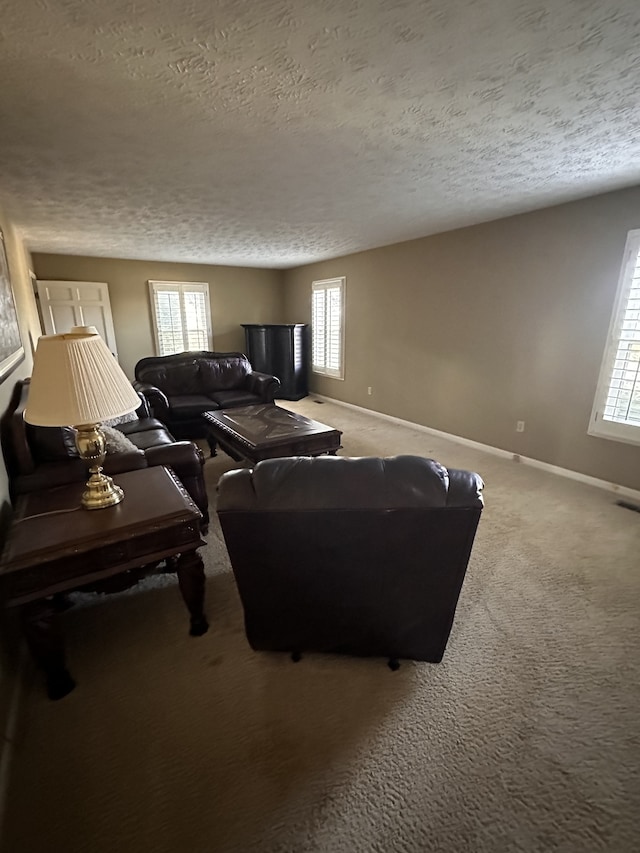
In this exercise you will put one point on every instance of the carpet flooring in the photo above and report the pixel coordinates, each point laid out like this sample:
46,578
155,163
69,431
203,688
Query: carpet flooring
525,737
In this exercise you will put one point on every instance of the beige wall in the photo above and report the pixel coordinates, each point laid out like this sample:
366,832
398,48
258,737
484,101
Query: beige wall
472,330
18,261
238,295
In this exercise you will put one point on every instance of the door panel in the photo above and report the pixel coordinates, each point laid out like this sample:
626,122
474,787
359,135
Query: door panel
77,303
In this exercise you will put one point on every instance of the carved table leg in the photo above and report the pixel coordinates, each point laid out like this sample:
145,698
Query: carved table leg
43,632
190,570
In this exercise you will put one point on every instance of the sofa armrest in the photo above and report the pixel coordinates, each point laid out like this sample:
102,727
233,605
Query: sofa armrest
156,399
263,385
117,463
143,410
183,456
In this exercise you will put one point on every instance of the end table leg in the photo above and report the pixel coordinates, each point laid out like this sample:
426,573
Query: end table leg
43,632
190,570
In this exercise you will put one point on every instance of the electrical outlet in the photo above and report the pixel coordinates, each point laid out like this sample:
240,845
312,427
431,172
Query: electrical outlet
369,390
519,426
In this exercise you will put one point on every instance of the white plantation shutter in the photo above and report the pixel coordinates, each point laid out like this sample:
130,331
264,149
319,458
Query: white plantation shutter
194,320
327,327
182,317
616,411
318,328
334,328
168,322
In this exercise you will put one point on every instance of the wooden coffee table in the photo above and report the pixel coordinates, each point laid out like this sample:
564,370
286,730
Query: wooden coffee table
268,431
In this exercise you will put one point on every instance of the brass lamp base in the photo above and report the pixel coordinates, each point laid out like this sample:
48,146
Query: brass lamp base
100,491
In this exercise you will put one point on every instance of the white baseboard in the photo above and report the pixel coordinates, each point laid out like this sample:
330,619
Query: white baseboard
623,491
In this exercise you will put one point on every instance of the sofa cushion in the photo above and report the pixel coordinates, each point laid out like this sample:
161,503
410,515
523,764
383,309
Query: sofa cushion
51,444
222,374
182,378
190,405
141,425
152,438
229,399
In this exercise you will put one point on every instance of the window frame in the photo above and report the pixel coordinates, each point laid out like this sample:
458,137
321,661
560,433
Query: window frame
325,285
598,425
180,287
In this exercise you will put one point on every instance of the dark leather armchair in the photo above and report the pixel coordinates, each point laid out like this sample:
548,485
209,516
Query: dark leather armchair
42,457
363,556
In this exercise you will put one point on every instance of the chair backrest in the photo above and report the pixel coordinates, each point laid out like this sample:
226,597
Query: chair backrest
18,458
193,372
24,446
356,555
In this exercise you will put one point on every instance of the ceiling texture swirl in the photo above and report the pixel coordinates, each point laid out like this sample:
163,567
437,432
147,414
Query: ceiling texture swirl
274,133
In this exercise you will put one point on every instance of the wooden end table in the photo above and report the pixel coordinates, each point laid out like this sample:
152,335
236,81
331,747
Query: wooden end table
267,431
54,546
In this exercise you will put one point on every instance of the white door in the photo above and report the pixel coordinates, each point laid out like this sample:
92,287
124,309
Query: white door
77,303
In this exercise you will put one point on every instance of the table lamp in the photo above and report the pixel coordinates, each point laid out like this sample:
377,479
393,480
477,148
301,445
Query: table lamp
76,381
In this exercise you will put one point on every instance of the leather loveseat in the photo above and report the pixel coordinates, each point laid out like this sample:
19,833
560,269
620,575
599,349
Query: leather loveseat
362,556
43,457
179,388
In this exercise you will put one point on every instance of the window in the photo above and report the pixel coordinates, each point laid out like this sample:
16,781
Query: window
616,411
327,327
181,316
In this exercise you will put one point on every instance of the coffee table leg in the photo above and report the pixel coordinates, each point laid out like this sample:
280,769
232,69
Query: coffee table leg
43,631
190,571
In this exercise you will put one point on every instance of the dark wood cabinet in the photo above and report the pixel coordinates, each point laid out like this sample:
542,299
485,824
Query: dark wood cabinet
281,349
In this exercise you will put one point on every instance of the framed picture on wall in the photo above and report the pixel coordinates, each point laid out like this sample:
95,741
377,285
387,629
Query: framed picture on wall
11,348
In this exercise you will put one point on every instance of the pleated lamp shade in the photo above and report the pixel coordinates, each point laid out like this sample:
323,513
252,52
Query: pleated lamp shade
76,380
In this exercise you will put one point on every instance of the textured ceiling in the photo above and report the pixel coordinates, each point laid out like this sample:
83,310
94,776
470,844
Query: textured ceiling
277,132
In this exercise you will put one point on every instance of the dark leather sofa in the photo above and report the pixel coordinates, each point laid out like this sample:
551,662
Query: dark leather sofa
179,388
43,457
362,556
